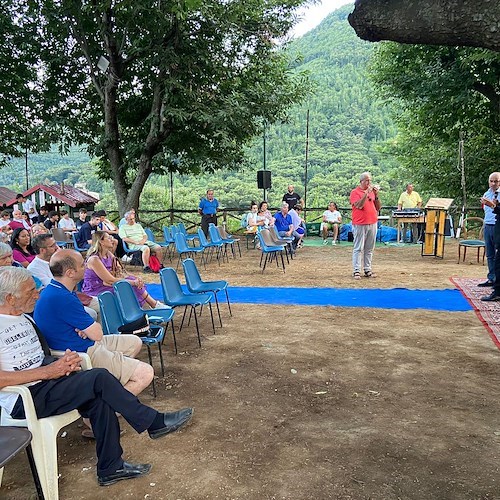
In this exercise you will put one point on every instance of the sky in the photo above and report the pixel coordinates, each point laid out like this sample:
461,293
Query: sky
314,14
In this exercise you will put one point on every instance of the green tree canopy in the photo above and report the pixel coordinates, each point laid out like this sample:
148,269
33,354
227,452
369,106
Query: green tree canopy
440,92
189,82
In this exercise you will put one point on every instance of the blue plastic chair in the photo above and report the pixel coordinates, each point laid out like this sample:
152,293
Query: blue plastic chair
167,235
130,310
269,250
183,249
229,239
128,250
210,245
151,237
216,238
174,296
189,236
196,285
75,244
112,320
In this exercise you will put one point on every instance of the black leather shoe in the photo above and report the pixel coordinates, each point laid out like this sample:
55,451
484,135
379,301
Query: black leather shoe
491,298
172,421
487,283
128,471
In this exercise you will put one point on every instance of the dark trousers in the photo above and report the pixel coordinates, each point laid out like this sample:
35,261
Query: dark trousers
97,395
206,219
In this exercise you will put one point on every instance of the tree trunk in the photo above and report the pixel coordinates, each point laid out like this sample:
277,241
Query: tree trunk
474,23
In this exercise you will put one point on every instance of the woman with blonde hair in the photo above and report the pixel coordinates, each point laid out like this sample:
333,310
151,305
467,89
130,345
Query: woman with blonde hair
102,269
37,229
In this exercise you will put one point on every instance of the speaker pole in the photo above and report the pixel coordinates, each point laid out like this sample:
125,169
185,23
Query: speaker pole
264,157
307,158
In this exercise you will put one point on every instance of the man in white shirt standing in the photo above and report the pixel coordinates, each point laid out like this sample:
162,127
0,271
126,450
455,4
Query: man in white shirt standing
28,206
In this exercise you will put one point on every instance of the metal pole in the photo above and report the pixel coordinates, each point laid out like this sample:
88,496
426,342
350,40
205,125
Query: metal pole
171,198
307,160
264,157
26,162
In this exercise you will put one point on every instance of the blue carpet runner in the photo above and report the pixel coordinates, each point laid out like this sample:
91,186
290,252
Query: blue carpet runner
394,298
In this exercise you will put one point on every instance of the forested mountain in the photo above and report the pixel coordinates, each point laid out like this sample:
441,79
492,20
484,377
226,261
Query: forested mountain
346,124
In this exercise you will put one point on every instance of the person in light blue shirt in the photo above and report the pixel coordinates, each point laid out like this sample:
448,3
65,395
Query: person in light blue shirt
488,202
208,208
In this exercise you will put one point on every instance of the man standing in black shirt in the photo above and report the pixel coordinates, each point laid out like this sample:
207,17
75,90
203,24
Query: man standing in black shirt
292,198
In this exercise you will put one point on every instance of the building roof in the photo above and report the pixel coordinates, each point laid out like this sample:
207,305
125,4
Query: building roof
68,194
6,195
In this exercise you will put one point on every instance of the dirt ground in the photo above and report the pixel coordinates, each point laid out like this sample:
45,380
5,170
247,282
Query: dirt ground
317,402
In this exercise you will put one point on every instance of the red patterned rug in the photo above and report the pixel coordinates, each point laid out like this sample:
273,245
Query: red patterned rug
487,312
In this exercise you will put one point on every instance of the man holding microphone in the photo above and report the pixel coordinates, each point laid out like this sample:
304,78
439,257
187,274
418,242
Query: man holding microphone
488,201
365,207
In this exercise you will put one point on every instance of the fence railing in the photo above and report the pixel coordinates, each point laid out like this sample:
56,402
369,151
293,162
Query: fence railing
156,219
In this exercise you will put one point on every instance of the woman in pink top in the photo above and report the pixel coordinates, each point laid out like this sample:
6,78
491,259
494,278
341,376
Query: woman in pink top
21,246
102,269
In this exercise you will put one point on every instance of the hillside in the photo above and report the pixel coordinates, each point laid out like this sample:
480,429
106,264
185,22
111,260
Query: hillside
346,123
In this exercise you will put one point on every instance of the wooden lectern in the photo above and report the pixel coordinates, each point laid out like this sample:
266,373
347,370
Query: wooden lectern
436,211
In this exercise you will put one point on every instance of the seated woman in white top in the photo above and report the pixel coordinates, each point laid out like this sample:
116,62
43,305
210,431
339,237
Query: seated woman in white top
265,214
253,219
66,223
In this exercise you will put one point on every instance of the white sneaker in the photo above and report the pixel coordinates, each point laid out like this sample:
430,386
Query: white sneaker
325,242
334,242
161,305
126,258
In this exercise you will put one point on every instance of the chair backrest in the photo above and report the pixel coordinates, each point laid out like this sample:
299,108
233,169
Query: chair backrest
170,285
167,235
174,230
203,239
266,236
128,304
59,235
274,230
191,274
181,244
111,318
214,234
182,228
150,234
75,243
473,224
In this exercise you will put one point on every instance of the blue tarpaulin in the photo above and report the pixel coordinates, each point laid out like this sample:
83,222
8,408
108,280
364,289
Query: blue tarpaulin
393,298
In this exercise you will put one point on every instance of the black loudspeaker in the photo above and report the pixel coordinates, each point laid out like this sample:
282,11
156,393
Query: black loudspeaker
264,179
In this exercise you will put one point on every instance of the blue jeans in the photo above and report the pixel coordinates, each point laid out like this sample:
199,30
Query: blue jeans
489,240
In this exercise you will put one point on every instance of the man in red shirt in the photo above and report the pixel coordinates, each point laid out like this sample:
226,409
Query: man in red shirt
365,207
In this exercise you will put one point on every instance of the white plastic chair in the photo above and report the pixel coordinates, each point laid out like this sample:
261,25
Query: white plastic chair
44,431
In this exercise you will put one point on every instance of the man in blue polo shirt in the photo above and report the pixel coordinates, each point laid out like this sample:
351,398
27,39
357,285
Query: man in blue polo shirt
66,325
208,210
283,223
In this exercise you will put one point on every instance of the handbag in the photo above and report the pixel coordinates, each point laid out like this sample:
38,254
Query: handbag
139,327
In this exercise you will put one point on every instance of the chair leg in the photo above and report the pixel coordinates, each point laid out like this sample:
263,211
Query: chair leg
265,262
34,472
197,327
211,316
228,304
218,308
151,363
161,359
282,261
173,334
183,317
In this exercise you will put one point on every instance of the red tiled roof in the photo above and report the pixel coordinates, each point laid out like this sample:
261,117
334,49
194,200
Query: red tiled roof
6,194
68,194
